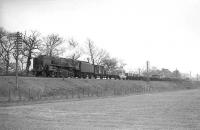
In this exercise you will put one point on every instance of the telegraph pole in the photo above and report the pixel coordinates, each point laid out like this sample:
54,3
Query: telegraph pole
176,73
18,46
17,53
147,70
139,71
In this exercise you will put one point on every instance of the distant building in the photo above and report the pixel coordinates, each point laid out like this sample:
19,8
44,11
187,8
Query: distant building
166,73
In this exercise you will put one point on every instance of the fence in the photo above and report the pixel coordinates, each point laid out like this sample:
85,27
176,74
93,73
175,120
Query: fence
30,94
8,91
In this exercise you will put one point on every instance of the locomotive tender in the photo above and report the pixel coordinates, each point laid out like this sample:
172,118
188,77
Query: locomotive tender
64,67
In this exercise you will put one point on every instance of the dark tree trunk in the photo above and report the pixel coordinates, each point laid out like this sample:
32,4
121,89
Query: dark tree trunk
22,66
7,66
7,63
28,63
50,53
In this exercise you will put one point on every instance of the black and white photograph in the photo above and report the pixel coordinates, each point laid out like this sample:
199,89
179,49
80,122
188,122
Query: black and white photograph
99,64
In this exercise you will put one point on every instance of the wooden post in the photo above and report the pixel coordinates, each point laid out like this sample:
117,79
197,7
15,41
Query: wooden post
19,92
97,92
88,92
66,94
72,93
83,92
9,92
29,94
92,92
39,94
78,92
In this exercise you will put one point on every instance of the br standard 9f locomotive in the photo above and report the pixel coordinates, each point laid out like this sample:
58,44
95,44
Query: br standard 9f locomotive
64,67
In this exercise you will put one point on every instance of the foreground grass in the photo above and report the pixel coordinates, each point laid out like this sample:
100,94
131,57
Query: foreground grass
168,110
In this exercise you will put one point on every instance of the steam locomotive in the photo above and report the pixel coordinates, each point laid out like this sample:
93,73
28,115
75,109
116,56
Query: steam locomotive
48,66
64,67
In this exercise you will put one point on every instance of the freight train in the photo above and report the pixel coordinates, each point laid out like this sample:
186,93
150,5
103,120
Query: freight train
48,66
64,67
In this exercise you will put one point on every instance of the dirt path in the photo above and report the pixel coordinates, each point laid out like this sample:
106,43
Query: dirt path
168,110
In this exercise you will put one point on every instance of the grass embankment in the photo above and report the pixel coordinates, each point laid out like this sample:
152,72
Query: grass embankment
34,88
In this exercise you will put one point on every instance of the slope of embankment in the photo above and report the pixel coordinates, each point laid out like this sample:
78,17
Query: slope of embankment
35,88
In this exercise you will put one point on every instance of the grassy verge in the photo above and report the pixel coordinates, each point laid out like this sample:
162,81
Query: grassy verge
42,89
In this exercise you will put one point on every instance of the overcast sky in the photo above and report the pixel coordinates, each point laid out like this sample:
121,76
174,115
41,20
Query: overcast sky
165,32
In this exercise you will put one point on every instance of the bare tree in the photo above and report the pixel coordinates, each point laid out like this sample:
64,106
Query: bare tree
101,54
51,43
176,73
1,51
73,45
3,33
96,55
91,50
120,66
110,64
32,43
7,44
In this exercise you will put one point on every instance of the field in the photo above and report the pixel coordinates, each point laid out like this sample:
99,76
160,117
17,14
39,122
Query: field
166,110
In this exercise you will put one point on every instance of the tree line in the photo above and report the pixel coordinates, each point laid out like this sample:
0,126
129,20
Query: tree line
33,44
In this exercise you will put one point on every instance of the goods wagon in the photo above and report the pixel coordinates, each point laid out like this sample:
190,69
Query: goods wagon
112,75
132,76
86,69
155,77
99,71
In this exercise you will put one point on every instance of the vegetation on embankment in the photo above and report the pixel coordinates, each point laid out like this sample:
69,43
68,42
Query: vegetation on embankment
39,88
